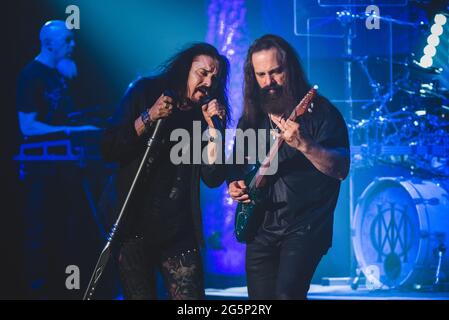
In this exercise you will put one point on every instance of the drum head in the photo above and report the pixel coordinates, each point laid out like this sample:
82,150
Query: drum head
386,235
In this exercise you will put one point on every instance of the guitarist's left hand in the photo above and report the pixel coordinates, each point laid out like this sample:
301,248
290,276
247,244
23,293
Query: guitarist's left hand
295,136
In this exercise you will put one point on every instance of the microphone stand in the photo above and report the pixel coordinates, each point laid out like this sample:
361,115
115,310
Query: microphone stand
106,253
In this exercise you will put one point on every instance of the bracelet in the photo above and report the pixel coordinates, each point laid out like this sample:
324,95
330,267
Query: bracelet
145,117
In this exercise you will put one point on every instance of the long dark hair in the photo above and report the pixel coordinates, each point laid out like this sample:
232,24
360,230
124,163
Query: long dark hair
175,73
296,84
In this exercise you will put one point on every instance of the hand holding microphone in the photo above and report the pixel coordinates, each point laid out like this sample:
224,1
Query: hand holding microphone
213,113
162,108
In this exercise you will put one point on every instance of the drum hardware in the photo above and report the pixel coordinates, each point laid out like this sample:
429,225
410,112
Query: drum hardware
357,279
441,251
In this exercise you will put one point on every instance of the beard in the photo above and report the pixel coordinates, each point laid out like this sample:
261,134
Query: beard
67,67
277,102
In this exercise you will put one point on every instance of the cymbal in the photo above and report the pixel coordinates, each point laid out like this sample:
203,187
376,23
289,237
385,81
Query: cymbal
430,70
413,64
422,89
435,93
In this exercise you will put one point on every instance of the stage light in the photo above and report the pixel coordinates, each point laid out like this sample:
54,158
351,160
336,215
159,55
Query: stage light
436,30
433,40
440,19
430,50
426,61
420,113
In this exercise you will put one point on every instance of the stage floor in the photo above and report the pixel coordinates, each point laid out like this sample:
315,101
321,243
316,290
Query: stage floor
336,292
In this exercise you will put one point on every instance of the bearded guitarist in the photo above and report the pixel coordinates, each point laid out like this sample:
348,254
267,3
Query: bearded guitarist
294,228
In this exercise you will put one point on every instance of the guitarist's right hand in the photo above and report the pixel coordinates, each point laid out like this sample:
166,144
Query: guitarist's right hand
238,191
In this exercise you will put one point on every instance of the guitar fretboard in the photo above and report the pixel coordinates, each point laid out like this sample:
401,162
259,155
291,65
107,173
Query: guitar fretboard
298,111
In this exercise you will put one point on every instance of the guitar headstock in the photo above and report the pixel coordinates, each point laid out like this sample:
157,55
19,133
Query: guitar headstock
305,104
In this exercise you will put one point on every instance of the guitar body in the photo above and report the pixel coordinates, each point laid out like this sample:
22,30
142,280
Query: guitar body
247,215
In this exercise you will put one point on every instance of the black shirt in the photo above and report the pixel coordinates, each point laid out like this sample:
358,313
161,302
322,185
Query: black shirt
44,90
167,209
121,144
301,199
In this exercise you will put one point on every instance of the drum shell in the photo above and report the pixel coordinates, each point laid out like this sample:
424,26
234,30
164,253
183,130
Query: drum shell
420,226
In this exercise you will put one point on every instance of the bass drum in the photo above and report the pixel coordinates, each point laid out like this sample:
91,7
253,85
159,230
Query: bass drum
399,228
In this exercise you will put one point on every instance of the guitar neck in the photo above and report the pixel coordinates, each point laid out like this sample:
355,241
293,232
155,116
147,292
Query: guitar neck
298,111
259,177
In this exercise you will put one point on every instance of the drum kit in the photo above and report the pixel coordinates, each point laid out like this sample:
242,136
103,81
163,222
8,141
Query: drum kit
400,225
409,125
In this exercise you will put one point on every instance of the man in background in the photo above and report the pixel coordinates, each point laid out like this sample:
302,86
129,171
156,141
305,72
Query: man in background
58,225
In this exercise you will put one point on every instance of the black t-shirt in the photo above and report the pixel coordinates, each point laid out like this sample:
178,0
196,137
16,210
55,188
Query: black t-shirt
301,199
167,209
45,91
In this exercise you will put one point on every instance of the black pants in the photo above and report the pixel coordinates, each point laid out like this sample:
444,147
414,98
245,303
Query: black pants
180,265
281,270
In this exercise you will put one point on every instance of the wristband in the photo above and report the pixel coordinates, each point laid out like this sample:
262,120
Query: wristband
145,117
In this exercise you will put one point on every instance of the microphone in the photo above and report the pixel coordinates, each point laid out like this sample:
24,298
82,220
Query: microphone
215,119
217,122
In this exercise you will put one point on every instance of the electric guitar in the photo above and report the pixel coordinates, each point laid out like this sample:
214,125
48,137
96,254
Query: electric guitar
247,213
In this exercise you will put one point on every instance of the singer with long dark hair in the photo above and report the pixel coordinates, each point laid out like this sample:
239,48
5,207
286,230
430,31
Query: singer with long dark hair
162,229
